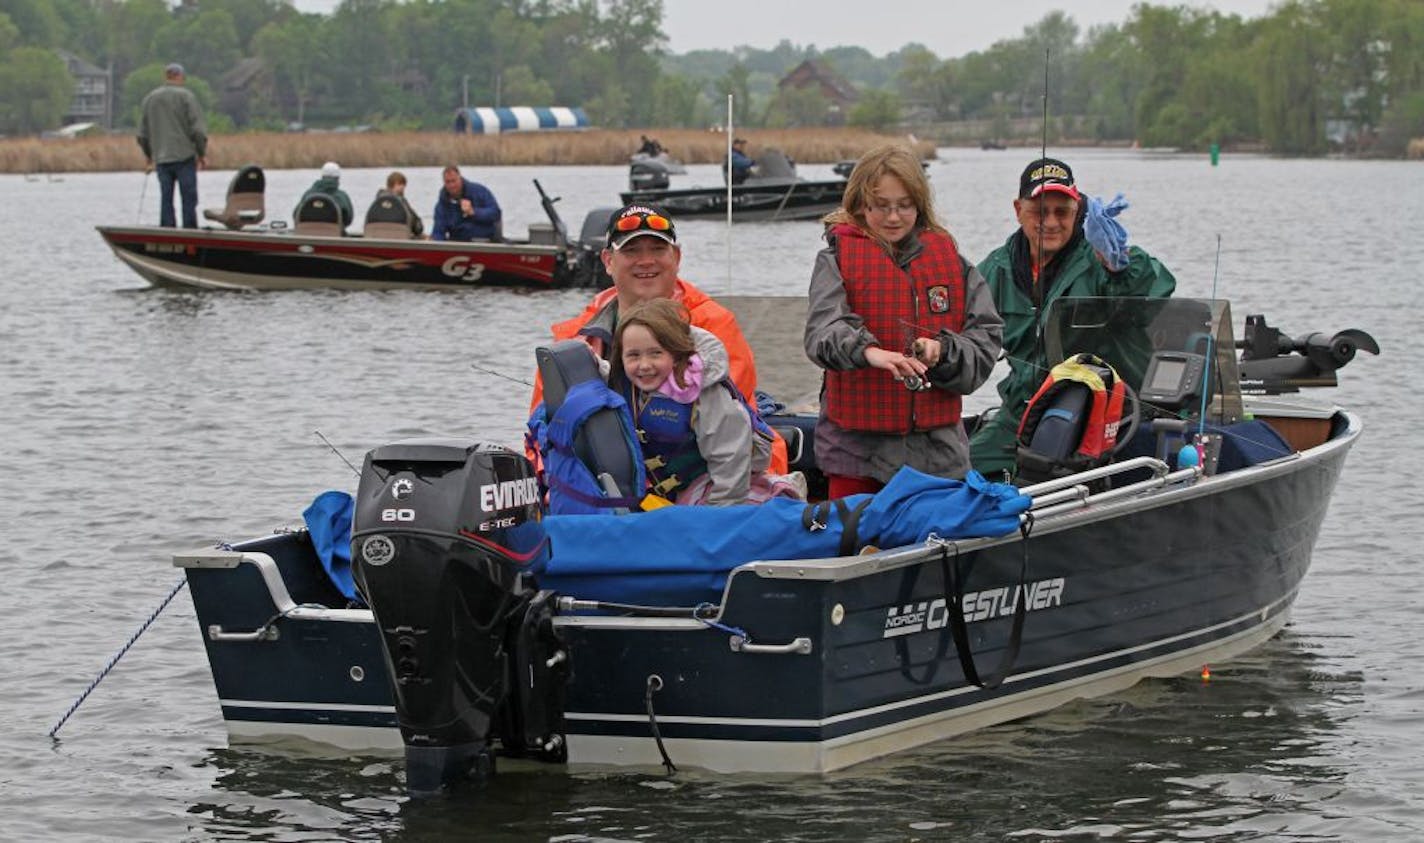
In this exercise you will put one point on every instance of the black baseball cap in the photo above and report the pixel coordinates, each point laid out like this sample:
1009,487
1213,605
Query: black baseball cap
639,219
1047,174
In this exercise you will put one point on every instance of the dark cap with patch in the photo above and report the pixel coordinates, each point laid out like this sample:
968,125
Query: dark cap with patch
639,219
1047,174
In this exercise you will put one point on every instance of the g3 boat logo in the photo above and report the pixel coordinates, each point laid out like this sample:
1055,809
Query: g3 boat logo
378,550
461,268
978,605
402,488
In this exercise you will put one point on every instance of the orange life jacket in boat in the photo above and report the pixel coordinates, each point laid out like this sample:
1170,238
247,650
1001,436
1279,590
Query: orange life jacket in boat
1071,423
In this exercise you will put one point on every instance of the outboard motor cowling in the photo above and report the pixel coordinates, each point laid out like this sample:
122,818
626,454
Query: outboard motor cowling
647,174
446,537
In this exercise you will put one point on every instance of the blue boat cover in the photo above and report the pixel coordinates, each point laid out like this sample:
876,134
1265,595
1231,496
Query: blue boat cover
681,556
328,521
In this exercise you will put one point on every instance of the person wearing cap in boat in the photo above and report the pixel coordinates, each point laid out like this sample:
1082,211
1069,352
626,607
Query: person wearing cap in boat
330,184
465,210
174,140
1067,244
642,256
903,326
741,164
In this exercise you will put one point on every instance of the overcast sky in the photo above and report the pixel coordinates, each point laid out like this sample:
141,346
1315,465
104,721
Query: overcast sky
950,28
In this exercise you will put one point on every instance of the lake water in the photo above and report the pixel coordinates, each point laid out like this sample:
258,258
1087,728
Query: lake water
138,423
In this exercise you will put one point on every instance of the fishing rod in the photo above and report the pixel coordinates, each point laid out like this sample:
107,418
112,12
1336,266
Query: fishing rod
478,368
1198,449
1038,260
138,218
353,468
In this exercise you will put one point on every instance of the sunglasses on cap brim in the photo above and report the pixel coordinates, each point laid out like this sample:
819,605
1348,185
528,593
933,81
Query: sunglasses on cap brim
634,222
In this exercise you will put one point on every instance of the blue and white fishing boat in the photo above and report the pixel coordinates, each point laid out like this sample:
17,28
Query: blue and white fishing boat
791,638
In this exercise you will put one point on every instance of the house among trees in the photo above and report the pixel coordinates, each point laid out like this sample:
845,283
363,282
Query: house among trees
814,76
91,101
237,89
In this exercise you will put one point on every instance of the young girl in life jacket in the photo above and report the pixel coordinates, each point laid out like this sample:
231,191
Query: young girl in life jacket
903,325
701,443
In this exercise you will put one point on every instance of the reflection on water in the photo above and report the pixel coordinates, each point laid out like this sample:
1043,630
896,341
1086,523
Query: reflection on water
1241,755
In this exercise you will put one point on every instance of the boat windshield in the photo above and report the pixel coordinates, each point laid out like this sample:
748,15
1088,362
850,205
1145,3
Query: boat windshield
1138,335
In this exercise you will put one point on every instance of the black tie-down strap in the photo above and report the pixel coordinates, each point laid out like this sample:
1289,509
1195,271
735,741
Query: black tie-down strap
817,516
954,599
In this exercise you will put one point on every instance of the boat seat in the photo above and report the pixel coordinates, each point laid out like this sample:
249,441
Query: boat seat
386,231
387,219
318,215
245,205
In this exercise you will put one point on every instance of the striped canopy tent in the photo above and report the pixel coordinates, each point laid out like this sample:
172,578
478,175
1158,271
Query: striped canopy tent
522,118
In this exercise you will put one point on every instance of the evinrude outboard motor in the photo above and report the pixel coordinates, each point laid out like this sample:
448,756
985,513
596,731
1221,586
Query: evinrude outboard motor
647,174
446,538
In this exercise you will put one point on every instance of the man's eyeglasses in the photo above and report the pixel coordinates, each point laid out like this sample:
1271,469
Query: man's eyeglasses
633,222
1062,213
903,209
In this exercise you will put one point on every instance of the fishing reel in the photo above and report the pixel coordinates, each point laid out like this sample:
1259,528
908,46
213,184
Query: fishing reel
915,383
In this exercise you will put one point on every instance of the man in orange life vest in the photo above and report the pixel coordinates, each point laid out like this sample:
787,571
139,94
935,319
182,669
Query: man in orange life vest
642,256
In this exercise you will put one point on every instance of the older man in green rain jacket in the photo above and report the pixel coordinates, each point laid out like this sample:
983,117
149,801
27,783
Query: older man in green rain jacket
1048,258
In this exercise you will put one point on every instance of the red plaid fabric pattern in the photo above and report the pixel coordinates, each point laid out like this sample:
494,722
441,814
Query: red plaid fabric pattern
896,307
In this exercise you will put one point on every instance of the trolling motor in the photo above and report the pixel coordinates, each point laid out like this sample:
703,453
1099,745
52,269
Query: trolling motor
446,538
1272,363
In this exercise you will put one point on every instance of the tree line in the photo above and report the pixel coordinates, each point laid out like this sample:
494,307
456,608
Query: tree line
1310,76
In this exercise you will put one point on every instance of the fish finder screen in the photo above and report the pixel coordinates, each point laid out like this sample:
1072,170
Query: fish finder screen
1168,376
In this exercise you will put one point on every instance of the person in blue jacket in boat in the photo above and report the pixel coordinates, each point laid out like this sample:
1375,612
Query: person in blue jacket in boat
465,210
1067,244
741,163
701,443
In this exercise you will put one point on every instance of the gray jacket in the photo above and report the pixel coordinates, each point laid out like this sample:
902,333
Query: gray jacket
725,438
171,127
836,338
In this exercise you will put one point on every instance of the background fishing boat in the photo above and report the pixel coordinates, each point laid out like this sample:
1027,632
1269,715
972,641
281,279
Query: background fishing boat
242,254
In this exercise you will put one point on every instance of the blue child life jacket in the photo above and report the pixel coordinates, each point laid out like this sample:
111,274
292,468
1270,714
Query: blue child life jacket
574,488
669,442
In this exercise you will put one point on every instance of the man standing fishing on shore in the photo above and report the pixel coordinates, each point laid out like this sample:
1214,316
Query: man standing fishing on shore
1067,244
174,140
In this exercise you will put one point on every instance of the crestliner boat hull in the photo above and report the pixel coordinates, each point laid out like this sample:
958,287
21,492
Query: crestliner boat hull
1118,573
1122,586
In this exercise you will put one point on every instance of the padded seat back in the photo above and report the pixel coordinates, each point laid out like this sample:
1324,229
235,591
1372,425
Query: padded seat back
387,218
318,215
245,199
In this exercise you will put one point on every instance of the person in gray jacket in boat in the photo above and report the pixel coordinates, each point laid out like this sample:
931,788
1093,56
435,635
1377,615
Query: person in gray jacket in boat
174,140
903,325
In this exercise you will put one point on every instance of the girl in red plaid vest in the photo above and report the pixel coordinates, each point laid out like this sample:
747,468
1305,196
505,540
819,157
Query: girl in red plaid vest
903,326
